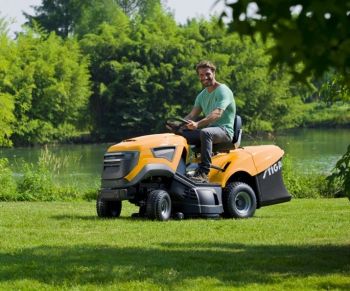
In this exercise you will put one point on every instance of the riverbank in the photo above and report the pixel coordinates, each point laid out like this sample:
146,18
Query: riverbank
72,172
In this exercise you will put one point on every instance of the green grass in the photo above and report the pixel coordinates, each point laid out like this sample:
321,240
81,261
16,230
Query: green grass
301,245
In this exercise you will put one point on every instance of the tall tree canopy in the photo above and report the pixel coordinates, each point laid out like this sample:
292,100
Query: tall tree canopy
314,34
7,101
56,15
44,88
79,17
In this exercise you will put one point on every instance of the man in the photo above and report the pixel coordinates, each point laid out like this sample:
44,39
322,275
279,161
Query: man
218,105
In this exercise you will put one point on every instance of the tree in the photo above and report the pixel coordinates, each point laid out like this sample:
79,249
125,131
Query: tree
4,25
132,65
310,37
341,173
6,118
132,7
312,33
56,15
45,85
78,17
7,102
93,14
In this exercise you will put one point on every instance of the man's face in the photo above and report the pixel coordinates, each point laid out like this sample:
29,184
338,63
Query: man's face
206,76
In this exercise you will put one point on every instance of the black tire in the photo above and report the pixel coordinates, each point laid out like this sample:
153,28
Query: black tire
158,205
108,209
239,200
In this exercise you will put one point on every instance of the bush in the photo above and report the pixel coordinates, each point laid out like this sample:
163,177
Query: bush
8,187
38,183
340,177
306,186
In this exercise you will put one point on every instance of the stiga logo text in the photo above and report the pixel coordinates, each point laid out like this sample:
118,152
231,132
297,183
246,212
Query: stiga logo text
273,169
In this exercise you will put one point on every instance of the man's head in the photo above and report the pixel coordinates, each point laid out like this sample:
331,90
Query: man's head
206,73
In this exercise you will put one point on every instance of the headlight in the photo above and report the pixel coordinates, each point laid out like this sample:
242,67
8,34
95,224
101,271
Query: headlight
164,152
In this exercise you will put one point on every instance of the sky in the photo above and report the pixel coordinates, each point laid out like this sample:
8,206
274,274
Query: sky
182,9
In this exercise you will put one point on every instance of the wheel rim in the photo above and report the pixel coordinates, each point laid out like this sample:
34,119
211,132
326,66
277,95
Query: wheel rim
243,202
165,207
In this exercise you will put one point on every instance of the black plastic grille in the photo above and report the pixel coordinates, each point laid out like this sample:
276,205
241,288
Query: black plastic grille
190,194
119,164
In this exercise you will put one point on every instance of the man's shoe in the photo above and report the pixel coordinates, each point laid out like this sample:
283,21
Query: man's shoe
200,177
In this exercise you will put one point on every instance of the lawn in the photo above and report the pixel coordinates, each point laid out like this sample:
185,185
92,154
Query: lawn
301,245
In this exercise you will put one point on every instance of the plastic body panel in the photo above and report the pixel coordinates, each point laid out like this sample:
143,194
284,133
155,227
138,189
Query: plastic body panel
195,199
145,150
251,160
271,186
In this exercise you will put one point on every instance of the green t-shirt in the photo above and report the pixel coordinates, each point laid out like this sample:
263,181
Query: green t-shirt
222,98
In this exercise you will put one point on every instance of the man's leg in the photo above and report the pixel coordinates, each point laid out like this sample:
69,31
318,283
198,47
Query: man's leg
208,137
192,136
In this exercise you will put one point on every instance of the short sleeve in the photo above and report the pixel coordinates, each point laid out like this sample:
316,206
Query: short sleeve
224,98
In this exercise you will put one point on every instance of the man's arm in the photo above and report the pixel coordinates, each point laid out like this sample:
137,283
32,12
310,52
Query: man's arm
195,112
213,116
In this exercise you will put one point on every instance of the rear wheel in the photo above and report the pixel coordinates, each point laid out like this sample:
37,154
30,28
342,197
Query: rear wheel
158,205
108,209
239,200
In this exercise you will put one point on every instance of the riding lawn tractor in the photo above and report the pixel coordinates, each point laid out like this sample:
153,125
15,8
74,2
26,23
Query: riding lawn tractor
154,173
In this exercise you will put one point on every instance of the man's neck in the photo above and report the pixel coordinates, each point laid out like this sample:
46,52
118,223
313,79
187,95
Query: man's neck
213,87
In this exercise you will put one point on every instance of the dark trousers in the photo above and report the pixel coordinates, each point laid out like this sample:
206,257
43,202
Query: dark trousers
205,138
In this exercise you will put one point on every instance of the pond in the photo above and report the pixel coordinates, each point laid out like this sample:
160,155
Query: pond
310,150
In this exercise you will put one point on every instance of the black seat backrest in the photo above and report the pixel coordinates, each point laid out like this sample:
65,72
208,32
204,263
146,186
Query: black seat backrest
237,129
236,141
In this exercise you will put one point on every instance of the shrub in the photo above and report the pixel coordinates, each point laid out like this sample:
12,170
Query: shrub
38,182
340,177
8,188
306,186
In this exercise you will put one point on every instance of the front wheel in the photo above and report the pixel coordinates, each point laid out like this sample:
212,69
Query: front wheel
108,209
239,200
158,205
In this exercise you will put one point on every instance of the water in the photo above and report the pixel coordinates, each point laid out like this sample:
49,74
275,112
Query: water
311,151
84,161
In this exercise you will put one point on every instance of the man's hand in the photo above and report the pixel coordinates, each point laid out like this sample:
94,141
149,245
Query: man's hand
192,125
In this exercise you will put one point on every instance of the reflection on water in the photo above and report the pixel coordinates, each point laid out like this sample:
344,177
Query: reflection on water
311,151
83,169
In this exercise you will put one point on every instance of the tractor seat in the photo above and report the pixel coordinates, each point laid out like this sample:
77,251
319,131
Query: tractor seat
227,146
236,140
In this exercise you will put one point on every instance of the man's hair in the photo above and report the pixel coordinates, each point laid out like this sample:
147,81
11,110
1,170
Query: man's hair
205,64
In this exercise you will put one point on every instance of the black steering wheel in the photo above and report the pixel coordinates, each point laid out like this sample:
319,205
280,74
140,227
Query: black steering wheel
175,123
178,119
